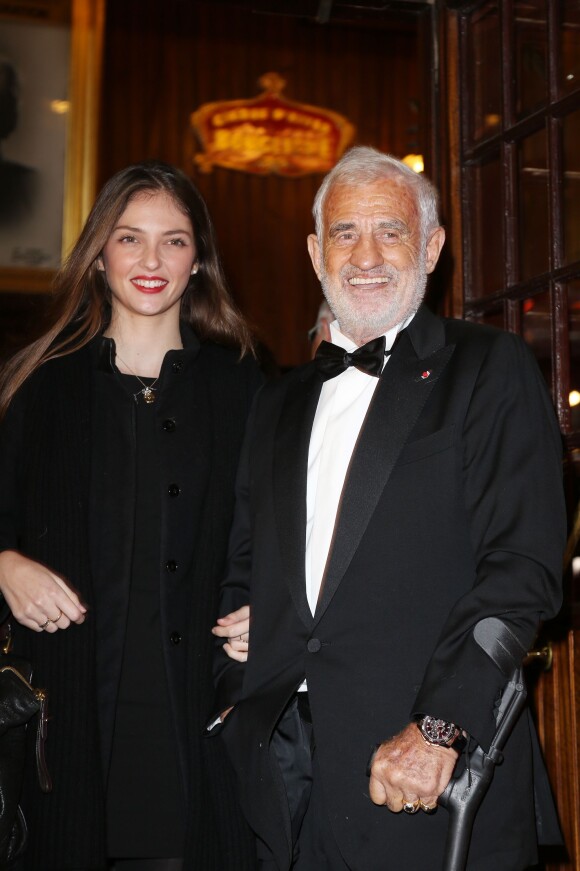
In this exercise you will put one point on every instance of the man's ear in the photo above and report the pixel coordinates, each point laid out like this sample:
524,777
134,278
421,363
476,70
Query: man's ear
434,246
314,251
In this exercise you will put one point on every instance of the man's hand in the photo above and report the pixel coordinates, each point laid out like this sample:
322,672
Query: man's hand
37,597
406,769
236,628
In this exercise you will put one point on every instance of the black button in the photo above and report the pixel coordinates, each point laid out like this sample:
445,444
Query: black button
173,490
171,565
314,645
177,366
175,637
169,425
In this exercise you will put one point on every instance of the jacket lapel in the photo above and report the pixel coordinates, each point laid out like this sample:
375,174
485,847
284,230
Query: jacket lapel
404,387
290,475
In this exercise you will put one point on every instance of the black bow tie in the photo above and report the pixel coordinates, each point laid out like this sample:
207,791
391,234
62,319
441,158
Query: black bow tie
331,360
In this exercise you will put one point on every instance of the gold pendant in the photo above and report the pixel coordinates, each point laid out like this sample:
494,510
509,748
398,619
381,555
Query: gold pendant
148,395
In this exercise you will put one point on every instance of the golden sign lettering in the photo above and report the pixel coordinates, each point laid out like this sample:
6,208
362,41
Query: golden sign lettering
270,134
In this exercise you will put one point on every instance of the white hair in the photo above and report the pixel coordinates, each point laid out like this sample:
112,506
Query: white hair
364,165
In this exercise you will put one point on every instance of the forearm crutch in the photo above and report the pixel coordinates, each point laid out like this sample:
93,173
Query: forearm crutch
464,793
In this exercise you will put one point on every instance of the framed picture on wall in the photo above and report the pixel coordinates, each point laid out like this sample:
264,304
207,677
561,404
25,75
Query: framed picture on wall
44,94
34,67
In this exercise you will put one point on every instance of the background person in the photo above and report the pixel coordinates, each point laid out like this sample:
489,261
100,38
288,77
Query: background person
320,332
388,499
118,450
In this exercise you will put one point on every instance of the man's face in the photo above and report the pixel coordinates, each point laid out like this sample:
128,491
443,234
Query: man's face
372,263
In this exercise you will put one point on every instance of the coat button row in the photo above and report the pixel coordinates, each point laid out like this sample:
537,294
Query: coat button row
175,637
169,425
173,490
171,565
314,645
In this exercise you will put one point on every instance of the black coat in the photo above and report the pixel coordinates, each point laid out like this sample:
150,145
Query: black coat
452,511
46,512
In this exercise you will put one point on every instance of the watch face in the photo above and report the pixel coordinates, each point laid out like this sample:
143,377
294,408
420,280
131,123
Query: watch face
438,731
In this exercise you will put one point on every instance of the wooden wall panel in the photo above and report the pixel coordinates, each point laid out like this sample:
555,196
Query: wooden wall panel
23,318
159,67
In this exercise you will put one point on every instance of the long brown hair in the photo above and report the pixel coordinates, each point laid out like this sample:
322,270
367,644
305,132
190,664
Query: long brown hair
82,301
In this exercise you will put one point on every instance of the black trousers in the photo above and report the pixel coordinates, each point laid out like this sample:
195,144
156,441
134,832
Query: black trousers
315,848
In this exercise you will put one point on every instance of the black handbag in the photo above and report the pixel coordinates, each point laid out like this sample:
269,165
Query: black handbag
20,702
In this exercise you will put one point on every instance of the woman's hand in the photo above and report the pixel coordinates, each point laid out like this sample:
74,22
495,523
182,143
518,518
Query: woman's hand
236,628
38,598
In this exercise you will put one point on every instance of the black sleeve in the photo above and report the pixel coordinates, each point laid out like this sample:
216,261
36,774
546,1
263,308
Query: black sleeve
513,494
235,588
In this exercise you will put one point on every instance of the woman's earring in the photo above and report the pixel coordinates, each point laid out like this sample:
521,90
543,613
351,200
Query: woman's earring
194,268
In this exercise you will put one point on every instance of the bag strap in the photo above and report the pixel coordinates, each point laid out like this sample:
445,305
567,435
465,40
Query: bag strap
6,636
44,778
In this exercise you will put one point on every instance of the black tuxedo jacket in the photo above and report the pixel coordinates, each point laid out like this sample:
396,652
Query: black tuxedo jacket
452,511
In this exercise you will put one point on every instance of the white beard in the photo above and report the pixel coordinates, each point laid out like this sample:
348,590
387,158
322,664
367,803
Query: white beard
389,309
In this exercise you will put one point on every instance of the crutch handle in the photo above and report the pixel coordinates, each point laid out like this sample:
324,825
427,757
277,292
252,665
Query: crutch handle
465,792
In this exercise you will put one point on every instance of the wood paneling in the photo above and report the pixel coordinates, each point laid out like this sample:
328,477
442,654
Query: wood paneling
22,319
161,66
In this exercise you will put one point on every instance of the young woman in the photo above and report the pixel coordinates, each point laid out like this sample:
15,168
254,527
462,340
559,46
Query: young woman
118,449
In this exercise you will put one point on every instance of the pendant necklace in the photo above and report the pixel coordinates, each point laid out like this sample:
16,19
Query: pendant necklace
147,393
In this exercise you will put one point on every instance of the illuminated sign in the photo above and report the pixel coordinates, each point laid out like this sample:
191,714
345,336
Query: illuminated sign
270,134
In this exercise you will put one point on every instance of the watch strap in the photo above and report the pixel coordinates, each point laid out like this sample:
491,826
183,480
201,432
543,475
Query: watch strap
441,733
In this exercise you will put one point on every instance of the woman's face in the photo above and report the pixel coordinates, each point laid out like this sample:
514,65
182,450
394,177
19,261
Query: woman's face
149,258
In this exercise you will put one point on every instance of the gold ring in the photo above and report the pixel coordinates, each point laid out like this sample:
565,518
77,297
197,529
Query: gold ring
427,808
410,807
56,619
44,625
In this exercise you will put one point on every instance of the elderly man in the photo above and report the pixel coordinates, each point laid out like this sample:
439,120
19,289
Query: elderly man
393,492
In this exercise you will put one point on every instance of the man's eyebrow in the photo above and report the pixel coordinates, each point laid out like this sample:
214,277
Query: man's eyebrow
393,224
341,227
389,224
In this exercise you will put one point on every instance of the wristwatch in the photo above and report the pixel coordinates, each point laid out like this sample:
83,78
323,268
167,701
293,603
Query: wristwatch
441,733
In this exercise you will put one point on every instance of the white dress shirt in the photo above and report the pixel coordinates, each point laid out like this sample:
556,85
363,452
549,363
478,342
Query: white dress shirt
342,408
